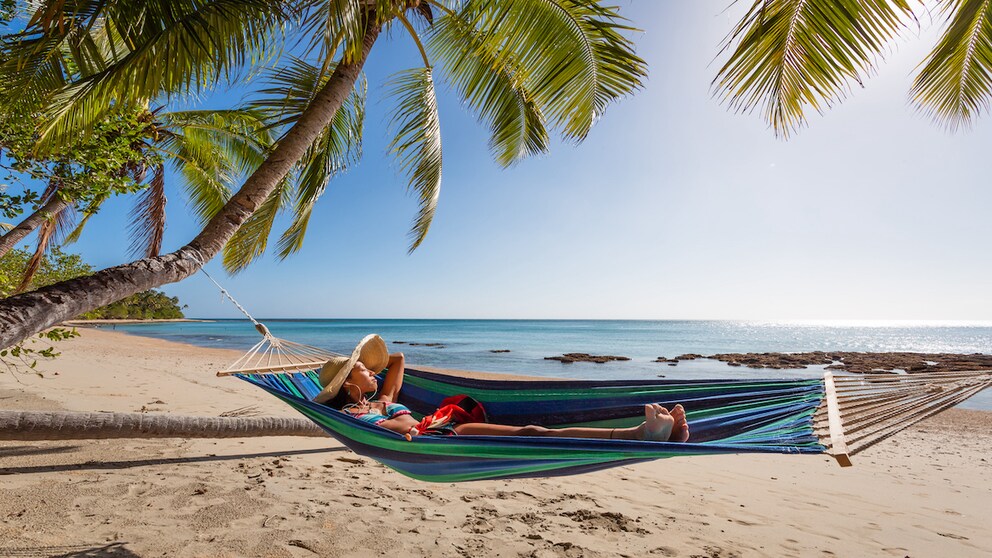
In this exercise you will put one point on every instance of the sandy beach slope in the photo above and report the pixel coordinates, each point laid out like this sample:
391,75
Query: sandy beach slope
925,492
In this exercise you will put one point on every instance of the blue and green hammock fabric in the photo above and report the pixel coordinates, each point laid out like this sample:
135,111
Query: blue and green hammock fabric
735,416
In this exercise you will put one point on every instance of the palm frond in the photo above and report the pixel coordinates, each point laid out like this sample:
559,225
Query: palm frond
50,233
417,144
795,54
147,226
571,55
87,212
252,237
204,41
955,85
338,147
212,150
493,87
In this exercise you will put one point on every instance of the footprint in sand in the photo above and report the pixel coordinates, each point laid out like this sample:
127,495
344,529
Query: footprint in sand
610,521
477,525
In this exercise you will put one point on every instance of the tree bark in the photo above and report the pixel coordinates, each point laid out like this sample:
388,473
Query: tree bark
10,239
39,425
26,314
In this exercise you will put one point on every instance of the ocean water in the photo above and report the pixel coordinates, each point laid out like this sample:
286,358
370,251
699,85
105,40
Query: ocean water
468,344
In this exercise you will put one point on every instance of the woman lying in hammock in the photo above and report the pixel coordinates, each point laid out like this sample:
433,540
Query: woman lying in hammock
350,384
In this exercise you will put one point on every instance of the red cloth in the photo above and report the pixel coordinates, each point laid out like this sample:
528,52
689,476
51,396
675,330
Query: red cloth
454,410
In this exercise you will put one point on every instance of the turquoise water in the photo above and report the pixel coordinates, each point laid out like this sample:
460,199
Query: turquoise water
467,343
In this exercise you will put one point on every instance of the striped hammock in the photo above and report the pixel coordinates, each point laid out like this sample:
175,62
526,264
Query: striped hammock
839,415
725,416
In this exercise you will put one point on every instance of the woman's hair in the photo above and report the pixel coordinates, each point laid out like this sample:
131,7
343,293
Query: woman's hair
340,400
343,398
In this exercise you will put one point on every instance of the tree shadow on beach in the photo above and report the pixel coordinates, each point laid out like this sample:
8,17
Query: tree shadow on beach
21,451
90,465
112,550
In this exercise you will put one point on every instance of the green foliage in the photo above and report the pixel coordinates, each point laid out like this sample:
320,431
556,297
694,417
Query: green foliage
8,9
58,266
114,159
149,305
24,357
55,266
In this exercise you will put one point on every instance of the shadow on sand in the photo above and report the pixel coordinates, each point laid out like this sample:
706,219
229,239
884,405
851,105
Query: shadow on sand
97,465
112,550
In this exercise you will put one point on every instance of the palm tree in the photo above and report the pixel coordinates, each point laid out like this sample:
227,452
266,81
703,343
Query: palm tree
524,66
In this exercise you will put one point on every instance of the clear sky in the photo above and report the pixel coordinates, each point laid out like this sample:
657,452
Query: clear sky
674,208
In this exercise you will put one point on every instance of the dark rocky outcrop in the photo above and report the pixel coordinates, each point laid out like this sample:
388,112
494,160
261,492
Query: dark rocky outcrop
689,356
569,358
861,362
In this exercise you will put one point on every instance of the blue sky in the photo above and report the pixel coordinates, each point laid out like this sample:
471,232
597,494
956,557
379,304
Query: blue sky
674,208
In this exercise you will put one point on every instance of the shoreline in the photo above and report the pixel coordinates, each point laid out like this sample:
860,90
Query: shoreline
923,492
122,321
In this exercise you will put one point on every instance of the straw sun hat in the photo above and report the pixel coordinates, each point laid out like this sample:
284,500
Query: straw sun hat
371,351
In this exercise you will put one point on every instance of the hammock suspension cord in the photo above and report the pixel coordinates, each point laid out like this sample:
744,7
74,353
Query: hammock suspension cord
272,354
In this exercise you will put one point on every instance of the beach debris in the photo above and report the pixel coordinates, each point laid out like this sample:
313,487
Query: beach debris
352,460
569,358
306,545
249,411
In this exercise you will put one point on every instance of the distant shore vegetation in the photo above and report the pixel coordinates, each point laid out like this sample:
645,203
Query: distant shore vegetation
58,265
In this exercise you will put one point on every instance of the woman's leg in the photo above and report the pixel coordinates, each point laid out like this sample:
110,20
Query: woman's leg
659,425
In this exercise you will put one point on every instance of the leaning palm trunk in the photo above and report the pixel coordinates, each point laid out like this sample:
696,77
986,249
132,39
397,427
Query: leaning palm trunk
29,313
40,425
9,240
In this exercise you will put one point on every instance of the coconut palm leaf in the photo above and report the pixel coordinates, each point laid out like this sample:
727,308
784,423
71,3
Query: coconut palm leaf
147,226
51,233
493,87
795,54
571,55
417,142
204,41
289,91
252,237
955,84
87,212
212,150
338,147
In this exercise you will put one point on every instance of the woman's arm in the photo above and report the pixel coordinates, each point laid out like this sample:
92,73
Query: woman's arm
394,378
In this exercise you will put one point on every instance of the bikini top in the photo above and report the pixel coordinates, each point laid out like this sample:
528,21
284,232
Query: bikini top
375,416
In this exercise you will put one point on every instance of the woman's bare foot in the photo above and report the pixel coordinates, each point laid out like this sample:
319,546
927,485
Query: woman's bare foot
660,425
680,432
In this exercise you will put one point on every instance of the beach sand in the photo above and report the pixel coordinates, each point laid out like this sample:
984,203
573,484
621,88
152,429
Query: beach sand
924,492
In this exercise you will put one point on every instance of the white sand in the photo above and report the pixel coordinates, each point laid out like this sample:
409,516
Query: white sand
925,492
